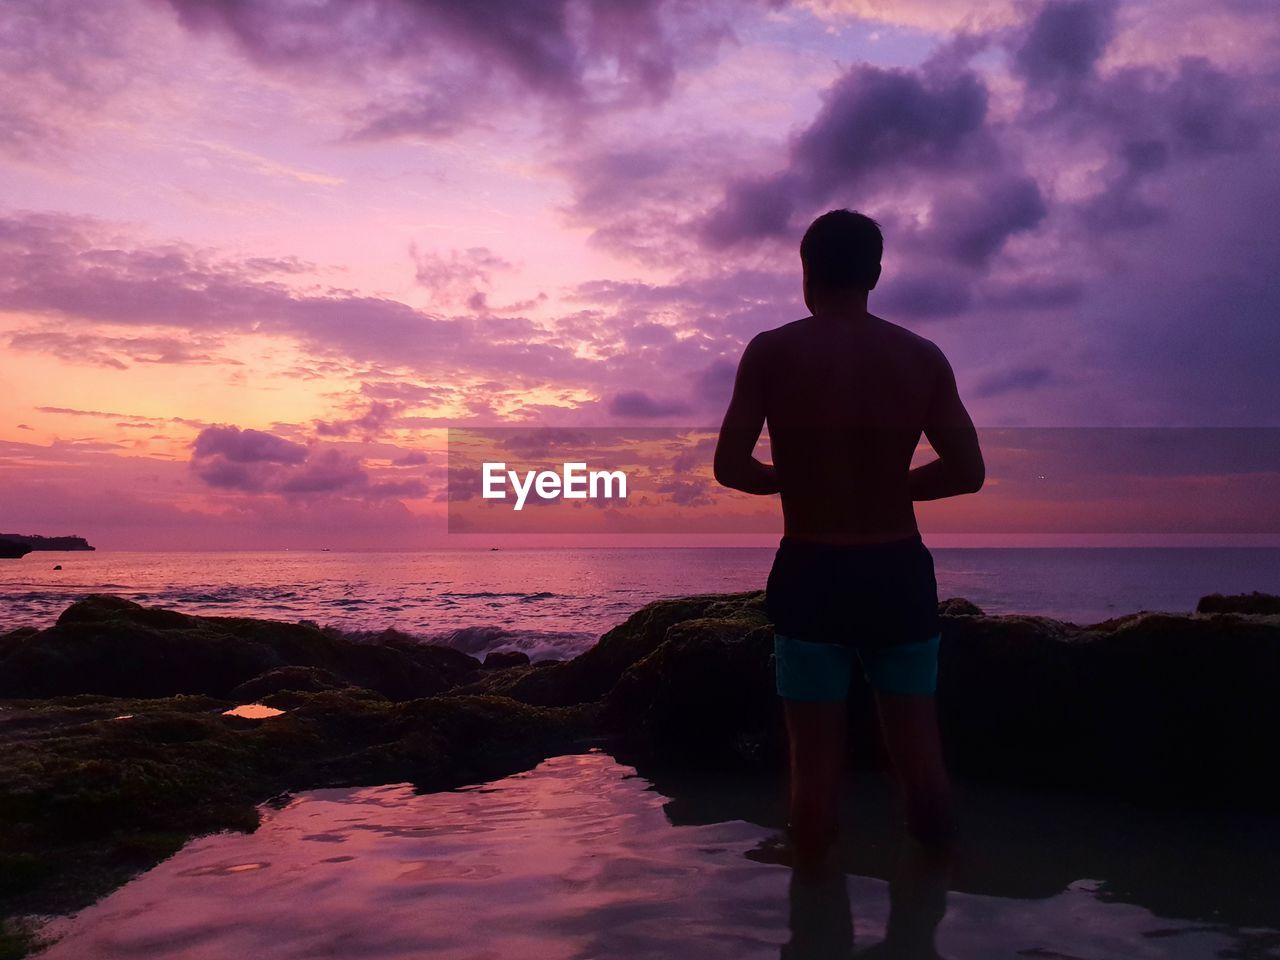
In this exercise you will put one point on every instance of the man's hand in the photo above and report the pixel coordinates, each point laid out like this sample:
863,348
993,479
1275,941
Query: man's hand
735,466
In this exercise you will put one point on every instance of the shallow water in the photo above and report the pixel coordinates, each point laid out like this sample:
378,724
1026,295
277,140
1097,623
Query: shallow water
253,711
581,858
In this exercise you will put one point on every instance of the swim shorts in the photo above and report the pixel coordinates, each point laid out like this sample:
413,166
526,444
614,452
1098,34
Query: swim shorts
821,672
833,604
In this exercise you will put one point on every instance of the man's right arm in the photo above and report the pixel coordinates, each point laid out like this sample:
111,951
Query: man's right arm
735,466
959,467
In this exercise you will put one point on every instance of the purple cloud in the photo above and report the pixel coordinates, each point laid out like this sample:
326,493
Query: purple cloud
396,489
249,461
1032,292
433,66
69,270
972,226
872,119
326,471
714,382
1007,381
373,422
108,351
60,64
403,391
1064,41
414,458
246,446
697,492
647,334
924,296
458,276
1149,118
638,404
131,417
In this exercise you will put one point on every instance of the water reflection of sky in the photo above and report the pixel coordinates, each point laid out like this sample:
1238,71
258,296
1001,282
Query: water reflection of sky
581,857
252,711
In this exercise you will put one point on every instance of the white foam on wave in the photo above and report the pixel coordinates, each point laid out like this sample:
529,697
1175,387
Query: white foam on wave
482,639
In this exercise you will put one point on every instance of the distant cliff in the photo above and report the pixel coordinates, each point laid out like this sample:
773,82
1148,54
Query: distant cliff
36,542
12,549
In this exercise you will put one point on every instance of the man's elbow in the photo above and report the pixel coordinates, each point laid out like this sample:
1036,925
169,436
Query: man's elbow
974,478
728,470
724,475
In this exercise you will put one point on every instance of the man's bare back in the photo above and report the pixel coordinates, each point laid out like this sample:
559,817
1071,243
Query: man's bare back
845,401
846,396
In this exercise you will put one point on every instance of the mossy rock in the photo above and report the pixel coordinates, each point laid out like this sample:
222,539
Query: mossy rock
298,678
1264,604
111,646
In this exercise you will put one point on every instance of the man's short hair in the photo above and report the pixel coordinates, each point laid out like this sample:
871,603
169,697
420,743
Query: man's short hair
841,250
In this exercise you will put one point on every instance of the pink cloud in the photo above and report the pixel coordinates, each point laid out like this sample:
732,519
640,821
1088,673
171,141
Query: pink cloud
249,461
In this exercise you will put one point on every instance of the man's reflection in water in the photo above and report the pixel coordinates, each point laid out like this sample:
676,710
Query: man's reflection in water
822,923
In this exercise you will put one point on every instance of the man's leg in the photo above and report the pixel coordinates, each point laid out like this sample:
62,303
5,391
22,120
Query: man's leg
917,900
910,724
813,681
904,677
816,734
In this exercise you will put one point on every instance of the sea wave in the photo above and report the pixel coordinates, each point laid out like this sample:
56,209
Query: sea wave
538,644
482,639
481,594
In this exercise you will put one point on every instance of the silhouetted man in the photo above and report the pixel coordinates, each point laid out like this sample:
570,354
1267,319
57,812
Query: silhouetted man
846,396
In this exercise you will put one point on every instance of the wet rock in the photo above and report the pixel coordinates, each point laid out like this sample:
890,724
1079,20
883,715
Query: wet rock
591,674
505,658
1158,705
112,646
102,608
705,696
959,607
1177,708
14,636
303,679
1117,707
1253,603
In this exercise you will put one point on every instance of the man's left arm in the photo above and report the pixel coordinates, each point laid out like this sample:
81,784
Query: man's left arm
735,465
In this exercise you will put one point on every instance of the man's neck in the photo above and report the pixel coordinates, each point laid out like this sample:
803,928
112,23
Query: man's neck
841,305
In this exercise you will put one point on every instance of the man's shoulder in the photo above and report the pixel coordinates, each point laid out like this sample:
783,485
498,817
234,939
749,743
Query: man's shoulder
797,333
780,334
911,340
768,341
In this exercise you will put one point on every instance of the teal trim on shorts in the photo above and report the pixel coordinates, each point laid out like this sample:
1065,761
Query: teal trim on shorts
820,672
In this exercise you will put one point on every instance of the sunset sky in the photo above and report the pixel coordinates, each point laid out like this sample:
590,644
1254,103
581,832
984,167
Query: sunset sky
255,255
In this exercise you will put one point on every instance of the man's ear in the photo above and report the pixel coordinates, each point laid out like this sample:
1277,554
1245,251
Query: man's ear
875,278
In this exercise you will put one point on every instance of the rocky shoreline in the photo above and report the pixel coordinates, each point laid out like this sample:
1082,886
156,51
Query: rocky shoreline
117,749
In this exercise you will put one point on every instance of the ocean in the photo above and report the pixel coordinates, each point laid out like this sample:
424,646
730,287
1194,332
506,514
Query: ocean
556,602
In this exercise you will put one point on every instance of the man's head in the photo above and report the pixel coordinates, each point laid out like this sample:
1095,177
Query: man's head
841,253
